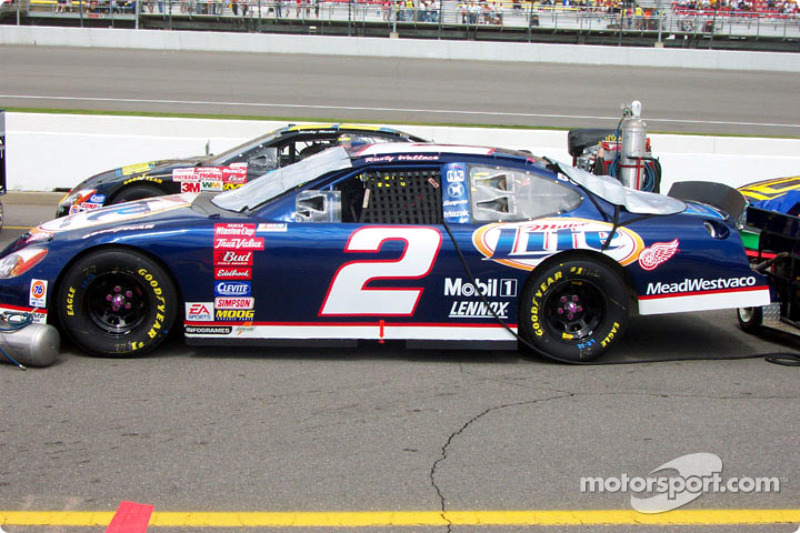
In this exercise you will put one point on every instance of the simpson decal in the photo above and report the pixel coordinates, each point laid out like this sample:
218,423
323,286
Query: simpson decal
234,303
658,253
524,245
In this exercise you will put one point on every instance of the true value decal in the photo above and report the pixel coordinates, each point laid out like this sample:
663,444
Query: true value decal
524,245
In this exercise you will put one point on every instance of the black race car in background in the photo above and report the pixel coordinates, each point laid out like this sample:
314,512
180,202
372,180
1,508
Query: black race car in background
224,171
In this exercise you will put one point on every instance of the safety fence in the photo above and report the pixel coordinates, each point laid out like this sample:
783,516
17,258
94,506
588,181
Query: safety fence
672,22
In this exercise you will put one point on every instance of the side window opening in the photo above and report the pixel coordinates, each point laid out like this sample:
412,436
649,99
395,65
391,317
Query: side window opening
392,197
501,194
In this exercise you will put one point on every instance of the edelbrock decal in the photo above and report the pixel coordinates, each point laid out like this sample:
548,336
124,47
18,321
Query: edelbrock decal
524,245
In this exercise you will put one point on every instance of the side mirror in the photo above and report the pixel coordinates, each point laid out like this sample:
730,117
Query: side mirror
267,160
318,206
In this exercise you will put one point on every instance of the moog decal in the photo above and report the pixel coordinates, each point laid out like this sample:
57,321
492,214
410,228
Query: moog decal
524,245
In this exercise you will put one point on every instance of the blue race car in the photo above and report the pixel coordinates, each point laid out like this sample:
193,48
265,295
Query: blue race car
429,244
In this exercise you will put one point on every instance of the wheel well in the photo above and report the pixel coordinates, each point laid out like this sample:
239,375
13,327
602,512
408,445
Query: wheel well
53,317
585,255
138,183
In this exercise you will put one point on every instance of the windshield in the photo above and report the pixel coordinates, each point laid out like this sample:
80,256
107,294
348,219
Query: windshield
245,147
275,183
612,191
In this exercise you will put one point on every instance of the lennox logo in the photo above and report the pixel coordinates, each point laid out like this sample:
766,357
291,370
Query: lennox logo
699,285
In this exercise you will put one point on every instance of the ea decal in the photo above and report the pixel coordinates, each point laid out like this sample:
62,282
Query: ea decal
524,245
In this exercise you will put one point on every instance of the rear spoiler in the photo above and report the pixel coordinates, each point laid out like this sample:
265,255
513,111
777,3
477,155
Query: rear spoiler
708,192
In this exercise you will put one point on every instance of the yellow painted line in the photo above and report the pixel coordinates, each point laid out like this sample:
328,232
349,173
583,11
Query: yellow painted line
700,517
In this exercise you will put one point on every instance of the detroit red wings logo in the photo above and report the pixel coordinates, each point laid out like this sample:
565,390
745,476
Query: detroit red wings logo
658,253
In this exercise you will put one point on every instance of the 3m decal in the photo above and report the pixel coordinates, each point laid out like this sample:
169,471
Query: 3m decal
350,293
200,311
524,245
190,186
657,254
38,296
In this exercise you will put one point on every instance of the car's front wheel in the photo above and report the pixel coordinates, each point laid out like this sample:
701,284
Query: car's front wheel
574,311
137,192
117,303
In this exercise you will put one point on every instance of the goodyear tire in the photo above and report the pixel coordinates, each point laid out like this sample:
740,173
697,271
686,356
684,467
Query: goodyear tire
574,311
137,192
750,319
117,303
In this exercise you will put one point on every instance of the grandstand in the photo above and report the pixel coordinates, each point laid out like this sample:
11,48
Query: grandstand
711,24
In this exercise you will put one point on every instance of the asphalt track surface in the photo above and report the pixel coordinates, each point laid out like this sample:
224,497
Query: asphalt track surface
336,438
398,90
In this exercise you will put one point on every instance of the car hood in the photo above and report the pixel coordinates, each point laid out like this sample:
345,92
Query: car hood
163,166
138,215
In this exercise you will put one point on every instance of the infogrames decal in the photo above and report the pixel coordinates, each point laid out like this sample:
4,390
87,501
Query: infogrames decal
117,213
524,245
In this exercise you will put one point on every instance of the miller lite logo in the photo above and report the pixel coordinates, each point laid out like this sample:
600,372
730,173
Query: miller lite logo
524,245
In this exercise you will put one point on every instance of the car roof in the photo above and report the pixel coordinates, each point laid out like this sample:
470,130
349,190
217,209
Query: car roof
310,128
412,152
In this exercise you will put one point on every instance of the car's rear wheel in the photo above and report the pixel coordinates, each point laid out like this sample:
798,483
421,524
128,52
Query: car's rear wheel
137,192
574,311
750,319
117,303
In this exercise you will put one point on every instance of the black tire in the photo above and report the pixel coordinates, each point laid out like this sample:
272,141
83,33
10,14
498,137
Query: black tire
574,311
750,319
137,192
117,303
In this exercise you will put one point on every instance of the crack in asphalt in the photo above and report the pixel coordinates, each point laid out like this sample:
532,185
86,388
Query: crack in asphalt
462,429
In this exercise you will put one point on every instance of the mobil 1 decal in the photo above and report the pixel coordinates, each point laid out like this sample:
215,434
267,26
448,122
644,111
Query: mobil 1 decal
455,194
524,245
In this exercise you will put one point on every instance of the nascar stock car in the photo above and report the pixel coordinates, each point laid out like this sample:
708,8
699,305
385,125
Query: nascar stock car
227,170
432,245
